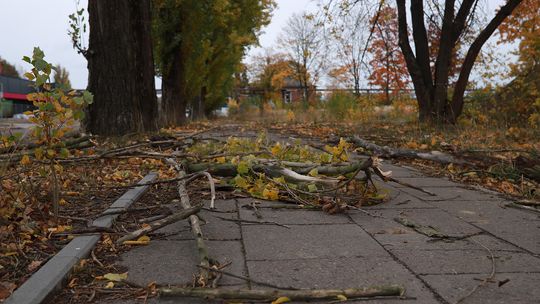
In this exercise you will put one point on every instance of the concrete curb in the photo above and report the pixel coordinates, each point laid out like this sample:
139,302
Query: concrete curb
50,277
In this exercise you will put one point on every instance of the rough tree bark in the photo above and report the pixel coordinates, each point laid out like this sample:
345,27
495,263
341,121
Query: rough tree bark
432,88
173,103
121,68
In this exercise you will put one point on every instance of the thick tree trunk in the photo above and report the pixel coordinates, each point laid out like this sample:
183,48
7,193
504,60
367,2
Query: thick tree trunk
432,95
173,105
420,88
121,68
472,53
198,105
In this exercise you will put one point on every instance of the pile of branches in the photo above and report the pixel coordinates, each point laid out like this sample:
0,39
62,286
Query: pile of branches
267,171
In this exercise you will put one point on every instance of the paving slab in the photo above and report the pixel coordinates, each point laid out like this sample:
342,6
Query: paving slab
451,193
347,272
522,288
436,218
401,200
425,181
298,217
264,242
259,203
214,227
174,262
416,241
466,261
518,227
400,172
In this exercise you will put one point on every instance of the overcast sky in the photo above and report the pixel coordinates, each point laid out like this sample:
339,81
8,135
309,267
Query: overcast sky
44,23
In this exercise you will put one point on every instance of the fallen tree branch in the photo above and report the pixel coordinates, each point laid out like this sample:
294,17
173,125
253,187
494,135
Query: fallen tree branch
247,279
293,295
522,207
387,152
253,222
194,221
485,280
431,232
160,224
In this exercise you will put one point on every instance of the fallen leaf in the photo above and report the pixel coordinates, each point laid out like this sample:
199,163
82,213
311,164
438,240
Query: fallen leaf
341,297
25,160
109,285
281,300
115,277
6,288
34,265
143,240
270,193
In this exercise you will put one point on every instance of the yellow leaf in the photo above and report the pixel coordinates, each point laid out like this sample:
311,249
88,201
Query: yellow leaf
62,202
276,149
109,285
25,160
241,182
51,153
341,297
220,160
270,193
313,172
143,240
281,300
115,277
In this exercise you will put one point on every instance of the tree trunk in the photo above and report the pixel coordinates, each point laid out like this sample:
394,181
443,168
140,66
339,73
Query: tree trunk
472,53
121,68
432,95
173,105
198,105
420,88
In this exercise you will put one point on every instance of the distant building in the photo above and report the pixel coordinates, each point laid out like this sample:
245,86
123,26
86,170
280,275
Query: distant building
292,91
13,93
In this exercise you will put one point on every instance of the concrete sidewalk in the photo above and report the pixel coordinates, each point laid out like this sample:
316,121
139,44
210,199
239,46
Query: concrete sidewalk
357,250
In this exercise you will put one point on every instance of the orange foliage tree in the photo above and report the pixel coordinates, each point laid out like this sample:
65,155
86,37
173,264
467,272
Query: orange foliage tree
388,63
522,95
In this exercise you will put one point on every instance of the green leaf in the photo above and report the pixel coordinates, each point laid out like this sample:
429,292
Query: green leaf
241,182
313,172
88,97
40,64
243,167
40,80
78,115
64,152
27,59
38,53
29,76
312,188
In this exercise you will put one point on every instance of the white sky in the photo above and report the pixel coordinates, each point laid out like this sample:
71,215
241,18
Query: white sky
44,23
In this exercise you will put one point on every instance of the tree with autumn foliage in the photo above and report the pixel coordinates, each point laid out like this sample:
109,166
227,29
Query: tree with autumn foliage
8,69
199,45
521,96
389,70
270,71
61,77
